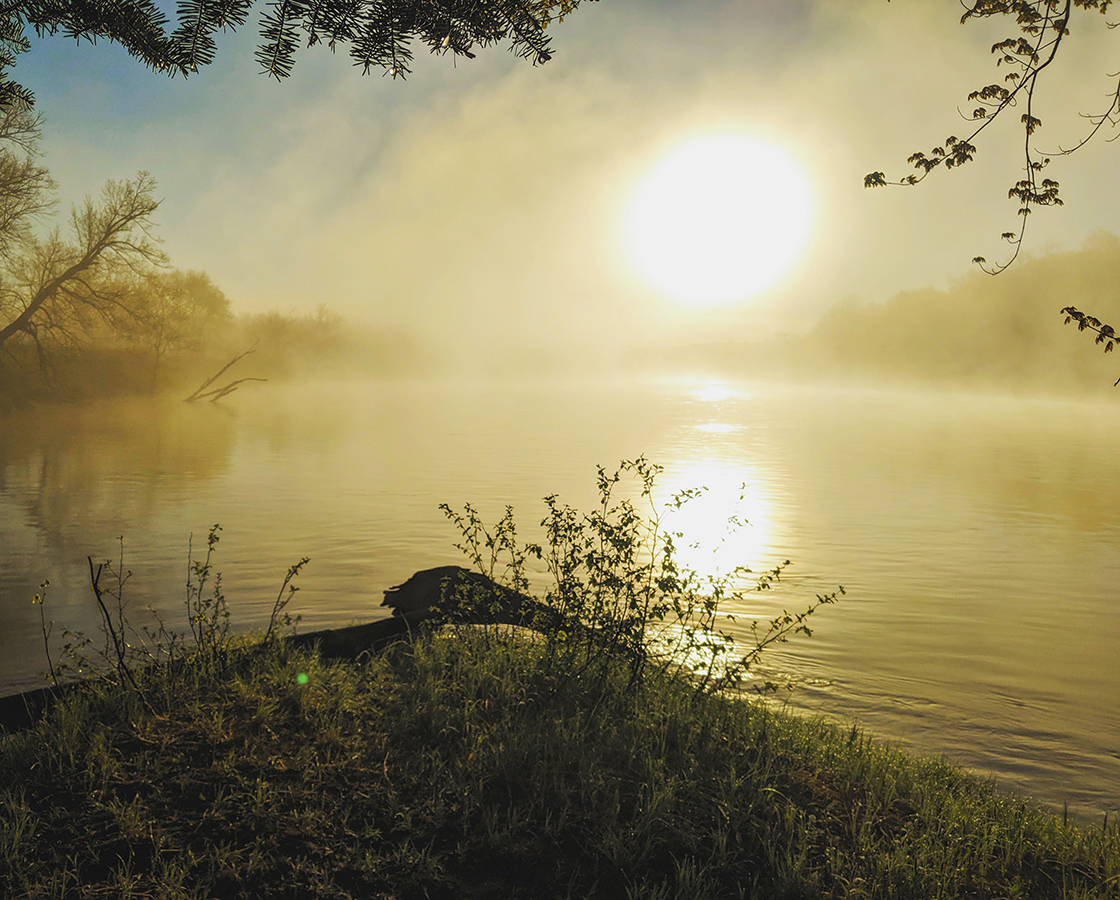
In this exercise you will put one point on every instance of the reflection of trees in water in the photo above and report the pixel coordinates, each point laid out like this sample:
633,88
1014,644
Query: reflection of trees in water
73,479
314,416
82,469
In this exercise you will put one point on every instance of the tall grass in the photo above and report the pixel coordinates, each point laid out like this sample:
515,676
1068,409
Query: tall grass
461,765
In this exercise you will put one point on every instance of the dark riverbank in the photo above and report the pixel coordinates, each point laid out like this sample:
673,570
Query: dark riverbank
463,766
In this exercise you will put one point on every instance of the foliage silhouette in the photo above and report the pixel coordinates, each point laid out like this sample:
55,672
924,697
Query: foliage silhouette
1106,334
377,34
1043,27
60,296
617,590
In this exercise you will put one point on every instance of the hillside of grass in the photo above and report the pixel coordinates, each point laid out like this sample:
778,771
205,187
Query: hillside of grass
464,765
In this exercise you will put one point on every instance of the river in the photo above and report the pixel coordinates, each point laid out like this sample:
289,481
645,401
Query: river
977,537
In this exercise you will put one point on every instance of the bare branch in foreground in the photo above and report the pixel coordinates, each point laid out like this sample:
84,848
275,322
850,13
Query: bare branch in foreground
217,393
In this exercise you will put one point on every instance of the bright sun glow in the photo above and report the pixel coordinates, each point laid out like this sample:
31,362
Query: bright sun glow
719,220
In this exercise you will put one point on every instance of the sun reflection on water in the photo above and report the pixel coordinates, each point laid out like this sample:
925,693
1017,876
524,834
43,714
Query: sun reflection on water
714,391
718,428
727,525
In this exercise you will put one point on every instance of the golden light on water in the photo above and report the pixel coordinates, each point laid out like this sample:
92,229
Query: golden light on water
727,525
713,392
719,220
719,428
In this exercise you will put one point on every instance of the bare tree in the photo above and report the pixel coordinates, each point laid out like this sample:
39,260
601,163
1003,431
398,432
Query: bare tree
174,311
53,291
25,186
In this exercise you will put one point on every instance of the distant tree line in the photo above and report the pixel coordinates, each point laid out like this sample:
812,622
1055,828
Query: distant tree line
95,308
1003,333
988,333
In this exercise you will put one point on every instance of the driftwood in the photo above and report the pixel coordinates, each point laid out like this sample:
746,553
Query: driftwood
217,393
430,588
463,597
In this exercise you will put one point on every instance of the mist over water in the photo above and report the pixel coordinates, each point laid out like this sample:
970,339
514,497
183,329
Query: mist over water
1005,334
978,536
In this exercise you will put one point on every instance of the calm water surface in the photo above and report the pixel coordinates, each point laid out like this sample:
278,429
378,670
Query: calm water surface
978,538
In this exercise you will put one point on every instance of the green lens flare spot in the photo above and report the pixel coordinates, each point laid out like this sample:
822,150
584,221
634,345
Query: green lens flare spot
302,678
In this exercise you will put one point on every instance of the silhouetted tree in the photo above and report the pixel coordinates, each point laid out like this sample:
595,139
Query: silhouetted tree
54,290
378,34
1043,27
25,186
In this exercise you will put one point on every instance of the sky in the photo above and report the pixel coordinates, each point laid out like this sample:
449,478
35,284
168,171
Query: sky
478,204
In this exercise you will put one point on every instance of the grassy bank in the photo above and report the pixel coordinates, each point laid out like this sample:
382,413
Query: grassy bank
464,765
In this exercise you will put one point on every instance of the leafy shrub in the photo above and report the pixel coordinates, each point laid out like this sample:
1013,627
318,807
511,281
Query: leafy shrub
616,588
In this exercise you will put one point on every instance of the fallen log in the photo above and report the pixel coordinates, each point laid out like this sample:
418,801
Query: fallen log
460,596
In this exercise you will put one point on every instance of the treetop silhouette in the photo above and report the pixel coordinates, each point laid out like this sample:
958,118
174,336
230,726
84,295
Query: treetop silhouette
377,34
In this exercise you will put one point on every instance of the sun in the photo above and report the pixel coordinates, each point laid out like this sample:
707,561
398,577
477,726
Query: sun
718,220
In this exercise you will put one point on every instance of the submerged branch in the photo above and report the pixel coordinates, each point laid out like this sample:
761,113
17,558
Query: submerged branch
217,393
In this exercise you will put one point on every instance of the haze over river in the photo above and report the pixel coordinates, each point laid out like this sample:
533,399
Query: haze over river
977,537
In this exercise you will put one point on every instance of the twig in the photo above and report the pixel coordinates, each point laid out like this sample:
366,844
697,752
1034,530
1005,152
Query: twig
122,665
228,389
1106,334
40,601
